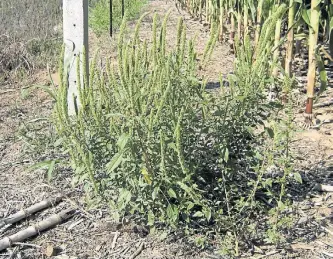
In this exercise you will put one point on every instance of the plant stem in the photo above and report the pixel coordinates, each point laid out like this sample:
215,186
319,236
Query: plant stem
290,38
313,38
258,25
276,44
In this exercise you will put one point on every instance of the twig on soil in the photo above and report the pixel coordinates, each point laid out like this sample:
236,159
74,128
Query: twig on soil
125,250
13,254
268,254
36,229
7,91
327,254
138,251
14,163
323,104
114,241
29,211
75,205
75,224
327,230
26,244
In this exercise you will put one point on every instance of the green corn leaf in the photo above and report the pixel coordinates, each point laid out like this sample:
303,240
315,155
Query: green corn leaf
322,74
306,14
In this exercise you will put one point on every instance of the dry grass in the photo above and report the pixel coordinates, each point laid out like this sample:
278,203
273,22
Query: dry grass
30,34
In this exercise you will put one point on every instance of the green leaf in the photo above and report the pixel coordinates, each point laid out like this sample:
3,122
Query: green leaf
198,214
322,74
298,177
155,192
190,206
172,193
306,16
115,162
184,187
46,89
301,36
50,171
270,132
208,213
226,155
122,141
44,164
172,213
151,218
58,142
125,196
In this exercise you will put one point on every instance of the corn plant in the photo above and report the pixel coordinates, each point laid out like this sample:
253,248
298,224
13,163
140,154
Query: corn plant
299,17
313,38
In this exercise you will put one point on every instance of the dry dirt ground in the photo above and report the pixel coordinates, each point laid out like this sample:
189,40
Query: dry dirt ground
90,234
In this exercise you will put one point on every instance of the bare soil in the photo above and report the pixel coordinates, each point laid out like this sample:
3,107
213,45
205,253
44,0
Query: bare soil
90,233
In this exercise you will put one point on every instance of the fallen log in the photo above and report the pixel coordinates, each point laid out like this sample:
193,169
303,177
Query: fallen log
24,234
22,214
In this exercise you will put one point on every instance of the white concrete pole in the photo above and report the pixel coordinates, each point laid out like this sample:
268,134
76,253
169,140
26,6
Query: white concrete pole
75,24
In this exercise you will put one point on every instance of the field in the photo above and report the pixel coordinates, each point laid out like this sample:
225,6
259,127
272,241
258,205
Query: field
193,150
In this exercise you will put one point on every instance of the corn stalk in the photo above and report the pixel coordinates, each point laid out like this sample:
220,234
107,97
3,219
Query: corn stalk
313,39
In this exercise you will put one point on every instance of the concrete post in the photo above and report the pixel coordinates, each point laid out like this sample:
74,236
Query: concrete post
75,25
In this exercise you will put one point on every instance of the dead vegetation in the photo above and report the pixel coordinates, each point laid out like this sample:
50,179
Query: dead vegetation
30,35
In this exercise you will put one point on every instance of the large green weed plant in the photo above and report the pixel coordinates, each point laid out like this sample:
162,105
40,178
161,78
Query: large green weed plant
149,140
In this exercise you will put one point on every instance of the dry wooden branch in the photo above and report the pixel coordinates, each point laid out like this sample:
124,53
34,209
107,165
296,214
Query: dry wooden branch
138,251
323,104
36,229
113,245
29,211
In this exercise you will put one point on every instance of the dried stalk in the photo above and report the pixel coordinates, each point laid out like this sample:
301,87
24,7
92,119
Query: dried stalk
138,251
36,229
29,211
221,20
232,32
